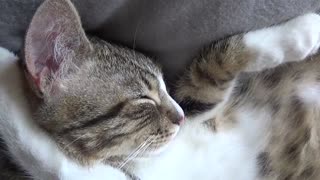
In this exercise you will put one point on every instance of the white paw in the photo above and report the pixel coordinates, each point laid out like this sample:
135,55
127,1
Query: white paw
290,41
301,37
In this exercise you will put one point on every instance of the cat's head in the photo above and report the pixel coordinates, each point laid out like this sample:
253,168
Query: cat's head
98,100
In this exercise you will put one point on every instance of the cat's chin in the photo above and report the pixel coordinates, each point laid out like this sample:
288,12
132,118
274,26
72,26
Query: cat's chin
162,148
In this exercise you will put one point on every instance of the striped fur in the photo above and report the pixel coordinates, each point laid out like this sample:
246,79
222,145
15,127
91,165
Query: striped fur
238,78
101,102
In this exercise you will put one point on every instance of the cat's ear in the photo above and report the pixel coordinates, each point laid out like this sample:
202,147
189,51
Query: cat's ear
54,38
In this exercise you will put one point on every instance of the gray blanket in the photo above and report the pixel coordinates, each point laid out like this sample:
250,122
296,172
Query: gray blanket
171,31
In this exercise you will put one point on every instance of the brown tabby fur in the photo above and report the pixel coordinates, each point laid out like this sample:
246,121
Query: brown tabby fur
293,150
108,121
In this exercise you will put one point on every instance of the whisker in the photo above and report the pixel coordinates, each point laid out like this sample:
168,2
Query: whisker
146,147
133,155
139,147
133,152
65,147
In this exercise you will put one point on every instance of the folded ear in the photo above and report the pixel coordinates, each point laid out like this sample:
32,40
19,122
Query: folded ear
54,39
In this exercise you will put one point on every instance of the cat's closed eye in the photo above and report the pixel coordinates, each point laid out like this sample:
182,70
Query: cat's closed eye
145,97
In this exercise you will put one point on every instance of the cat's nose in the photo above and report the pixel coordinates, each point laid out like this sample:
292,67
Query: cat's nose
176,115
179,120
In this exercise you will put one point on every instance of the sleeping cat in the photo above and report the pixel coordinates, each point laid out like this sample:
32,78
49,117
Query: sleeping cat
94,110
89,101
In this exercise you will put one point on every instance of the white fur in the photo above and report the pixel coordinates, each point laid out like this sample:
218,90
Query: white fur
31,147
196,152
292,41
309,93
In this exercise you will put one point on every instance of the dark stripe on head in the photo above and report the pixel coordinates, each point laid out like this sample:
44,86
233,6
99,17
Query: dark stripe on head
192,106
113,112
113,139
146,81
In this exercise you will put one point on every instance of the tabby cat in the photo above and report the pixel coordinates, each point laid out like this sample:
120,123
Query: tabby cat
88,109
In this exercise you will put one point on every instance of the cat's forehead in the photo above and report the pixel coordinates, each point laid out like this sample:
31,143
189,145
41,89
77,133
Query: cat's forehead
117,59
115,71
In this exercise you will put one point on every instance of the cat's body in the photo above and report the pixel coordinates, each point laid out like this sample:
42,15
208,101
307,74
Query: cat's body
267,128
101,102
273,135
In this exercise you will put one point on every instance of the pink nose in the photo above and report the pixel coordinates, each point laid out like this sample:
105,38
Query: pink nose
179,121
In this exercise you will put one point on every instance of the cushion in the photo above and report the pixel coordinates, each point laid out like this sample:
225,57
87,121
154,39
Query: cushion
172,32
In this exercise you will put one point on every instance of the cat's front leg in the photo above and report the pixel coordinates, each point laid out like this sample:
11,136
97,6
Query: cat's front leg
209,81
291,41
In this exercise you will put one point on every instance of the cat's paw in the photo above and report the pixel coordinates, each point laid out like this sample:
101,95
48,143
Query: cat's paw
290,41
301,37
